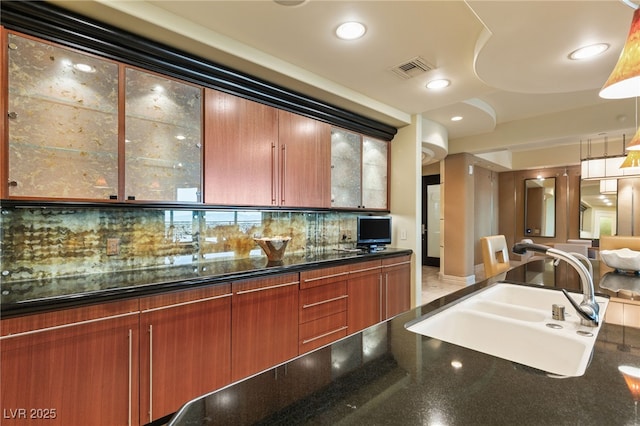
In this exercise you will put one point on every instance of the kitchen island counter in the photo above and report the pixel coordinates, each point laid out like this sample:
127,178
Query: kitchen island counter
387,375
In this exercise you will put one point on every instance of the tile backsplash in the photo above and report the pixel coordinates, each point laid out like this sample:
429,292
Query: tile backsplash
43,243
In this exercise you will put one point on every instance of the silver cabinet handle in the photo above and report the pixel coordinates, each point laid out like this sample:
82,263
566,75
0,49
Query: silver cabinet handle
222,296
130,373
273,174
311,305
308,280
253,290
73,324
283,173
150,372
304,342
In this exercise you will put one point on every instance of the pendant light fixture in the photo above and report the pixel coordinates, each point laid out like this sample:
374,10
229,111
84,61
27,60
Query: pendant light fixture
624,81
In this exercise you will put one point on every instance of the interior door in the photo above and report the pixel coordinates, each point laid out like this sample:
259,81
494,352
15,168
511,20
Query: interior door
431,220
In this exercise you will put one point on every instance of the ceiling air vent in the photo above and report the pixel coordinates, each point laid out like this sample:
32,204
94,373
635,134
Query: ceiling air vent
412,68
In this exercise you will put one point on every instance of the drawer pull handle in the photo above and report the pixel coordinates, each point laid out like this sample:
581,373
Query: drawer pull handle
62,326
311,305
253,290
304,342
396,264
222,296
365,270
308,280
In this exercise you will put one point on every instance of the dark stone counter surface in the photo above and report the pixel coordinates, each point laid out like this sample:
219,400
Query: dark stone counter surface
19,298
387,375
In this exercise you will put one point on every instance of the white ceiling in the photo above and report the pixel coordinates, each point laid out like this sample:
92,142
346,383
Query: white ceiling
507,61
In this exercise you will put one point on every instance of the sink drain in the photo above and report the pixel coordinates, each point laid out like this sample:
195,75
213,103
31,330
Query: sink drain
555,326
584,333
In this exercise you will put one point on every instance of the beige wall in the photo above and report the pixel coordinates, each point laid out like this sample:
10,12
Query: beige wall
406,198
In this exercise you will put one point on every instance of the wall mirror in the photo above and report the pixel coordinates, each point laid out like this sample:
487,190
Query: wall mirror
598,200
540,207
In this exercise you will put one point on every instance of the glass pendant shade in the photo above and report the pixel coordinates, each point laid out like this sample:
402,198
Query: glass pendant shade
624,81
634,143
632,160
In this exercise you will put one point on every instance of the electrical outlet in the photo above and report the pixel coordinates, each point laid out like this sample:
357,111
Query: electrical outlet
113,246
403,234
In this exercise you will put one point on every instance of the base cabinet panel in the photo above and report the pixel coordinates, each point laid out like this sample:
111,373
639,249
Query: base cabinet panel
397,285
264,328
365,296
185,350
72,374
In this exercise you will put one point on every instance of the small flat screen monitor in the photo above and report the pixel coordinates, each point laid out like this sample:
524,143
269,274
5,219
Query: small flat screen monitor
373,232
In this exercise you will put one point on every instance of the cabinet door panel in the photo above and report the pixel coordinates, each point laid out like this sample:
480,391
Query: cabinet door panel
397,286
346,178
240,151
365,300
72,375
305,161
374,173
163,138
63,117
185,353
264,325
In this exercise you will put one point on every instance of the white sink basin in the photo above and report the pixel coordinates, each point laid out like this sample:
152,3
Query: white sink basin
512,322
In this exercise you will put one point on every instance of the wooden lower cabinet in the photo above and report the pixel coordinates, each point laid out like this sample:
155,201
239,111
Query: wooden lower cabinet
396,289
185,348
71,367
264,326
365,295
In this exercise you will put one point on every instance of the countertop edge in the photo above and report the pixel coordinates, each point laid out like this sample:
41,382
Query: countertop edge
116,294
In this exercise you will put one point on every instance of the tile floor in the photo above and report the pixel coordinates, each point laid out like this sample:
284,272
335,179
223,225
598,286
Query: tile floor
433,287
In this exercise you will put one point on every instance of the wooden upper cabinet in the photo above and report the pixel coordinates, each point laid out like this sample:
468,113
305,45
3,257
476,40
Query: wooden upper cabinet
257,155
305,161
240,149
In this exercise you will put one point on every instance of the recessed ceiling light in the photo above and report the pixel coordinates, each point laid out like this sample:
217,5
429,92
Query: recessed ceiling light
587,52
84,67
181,137
438,84
289,2
350,30
456,118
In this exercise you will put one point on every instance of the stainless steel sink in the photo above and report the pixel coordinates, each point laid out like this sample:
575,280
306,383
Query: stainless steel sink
514,322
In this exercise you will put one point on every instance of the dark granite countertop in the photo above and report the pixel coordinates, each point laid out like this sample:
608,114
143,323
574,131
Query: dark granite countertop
387,375
24,297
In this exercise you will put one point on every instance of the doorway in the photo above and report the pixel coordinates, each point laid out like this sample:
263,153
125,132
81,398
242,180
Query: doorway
431,220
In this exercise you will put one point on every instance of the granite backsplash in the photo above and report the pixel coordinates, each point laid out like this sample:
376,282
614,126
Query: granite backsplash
53,243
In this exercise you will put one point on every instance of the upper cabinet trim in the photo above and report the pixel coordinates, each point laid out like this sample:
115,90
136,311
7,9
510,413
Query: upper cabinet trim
59,25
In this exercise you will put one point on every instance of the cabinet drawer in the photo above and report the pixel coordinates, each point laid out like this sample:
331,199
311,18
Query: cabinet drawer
322,331
318,302
323,276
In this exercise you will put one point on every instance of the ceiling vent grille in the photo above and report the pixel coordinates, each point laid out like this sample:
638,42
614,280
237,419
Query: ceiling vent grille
412,68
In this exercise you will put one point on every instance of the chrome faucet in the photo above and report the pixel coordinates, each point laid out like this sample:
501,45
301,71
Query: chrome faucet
588,309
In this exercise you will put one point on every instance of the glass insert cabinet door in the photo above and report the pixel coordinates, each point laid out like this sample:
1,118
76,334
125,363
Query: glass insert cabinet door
346,180
374,173
63,122
163,138
358,171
